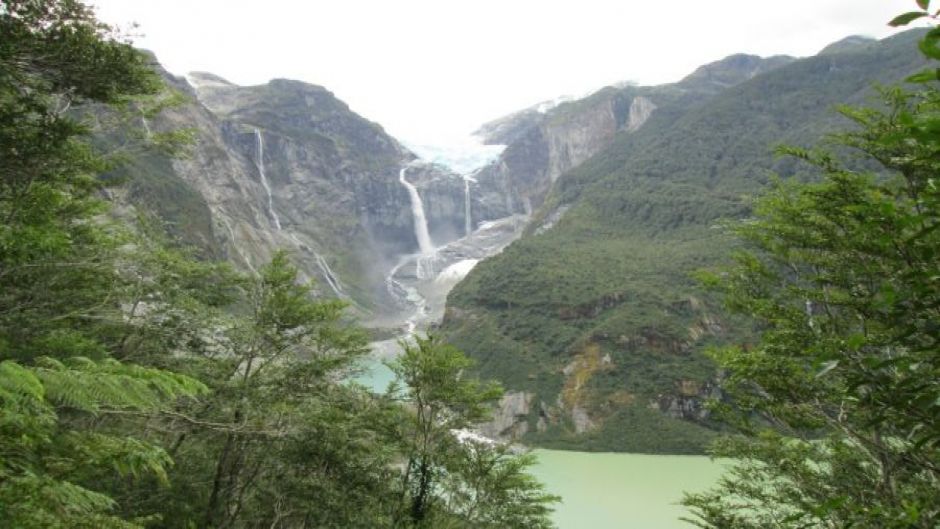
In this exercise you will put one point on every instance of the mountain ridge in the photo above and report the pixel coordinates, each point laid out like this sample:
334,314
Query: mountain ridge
596,319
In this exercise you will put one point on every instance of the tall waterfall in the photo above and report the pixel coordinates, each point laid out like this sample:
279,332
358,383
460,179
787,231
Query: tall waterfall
417,211
467,221
264,180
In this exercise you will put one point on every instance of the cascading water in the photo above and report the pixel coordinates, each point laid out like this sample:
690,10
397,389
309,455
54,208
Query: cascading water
238,248
418,297
264,180
467,220
425,264
331,278
417,211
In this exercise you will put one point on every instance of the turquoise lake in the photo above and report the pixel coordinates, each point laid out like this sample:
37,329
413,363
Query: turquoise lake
623,491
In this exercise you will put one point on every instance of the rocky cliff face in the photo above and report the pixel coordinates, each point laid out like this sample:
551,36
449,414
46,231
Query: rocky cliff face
288,165
544,145
545,141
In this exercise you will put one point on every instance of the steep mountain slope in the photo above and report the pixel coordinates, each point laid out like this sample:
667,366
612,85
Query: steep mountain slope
596,323
288,165
546,140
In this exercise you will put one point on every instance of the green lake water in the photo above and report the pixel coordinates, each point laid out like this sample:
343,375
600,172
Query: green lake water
374,375
622,491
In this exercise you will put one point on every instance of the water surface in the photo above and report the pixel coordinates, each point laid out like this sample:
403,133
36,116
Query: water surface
623,491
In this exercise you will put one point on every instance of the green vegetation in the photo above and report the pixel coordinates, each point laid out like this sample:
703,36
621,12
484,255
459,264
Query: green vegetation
616,271
142,387
836,405
482,484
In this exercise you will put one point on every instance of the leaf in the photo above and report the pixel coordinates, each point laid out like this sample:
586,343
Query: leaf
906,18
923,4
929,48
925,76
928,45
855,341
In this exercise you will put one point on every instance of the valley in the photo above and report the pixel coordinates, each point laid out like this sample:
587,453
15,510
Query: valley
581,183
577,226
711,300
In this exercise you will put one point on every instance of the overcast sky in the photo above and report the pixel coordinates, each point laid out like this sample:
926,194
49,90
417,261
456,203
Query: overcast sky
433,70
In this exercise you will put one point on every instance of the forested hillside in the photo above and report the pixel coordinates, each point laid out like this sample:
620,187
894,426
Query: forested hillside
599,319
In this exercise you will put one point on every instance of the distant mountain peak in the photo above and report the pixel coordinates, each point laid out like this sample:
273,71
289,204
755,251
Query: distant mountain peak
851,43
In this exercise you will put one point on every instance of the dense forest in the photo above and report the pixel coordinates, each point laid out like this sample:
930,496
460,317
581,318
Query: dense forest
145,384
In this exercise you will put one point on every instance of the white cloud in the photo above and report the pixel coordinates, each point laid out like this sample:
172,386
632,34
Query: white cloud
431,69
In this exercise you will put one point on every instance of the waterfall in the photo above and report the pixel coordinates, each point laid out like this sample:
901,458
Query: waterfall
417,211
264,180
425,261
331,278
238,248
467,221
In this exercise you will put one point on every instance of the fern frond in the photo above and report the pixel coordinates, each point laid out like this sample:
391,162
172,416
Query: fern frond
126,455
31,501
83,384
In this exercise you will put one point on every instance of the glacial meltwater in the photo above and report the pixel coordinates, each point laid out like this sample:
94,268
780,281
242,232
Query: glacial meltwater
623,491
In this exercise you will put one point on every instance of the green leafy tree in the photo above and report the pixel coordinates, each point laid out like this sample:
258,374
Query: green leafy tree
838,403
43,465
487,485
55,256
442,400
73,417
448,481
281,437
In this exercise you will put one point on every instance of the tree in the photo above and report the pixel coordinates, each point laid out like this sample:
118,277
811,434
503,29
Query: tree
837,405
43,465
54,255
447,481
488,486
270,444
442,401
60,277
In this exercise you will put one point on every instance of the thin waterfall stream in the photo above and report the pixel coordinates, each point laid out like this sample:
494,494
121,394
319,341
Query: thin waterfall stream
264,179
467,218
